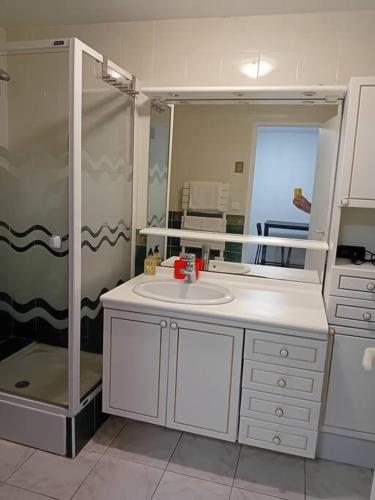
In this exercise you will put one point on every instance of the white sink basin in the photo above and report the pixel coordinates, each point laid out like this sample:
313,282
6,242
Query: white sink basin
181,292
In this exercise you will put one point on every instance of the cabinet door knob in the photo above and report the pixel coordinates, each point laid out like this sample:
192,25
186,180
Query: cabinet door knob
279,412
366,316
345,202
276,440
281,382
284,353
163,323
371,287
174,326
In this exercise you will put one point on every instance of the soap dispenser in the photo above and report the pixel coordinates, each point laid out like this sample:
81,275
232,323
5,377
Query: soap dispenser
149,264
157,255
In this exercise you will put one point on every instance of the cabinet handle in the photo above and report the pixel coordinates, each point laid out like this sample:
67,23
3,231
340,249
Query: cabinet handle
345,202
163,323
371,287
281,382
276,440
366,316
284,353
174,326
279,412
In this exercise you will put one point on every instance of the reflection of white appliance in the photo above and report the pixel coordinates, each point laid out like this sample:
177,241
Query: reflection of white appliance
368,364
205,207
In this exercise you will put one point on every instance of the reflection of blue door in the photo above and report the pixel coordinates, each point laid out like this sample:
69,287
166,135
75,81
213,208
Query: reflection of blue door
285,159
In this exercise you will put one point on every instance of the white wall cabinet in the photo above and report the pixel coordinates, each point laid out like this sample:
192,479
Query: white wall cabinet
358,153
351,394
204,378
135,366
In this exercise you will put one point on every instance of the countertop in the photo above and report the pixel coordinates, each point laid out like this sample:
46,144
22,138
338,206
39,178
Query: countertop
266,304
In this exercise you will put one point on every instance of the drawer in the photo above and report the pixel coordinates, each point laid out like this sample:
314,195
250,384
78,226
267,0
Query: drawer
287,381
358,283
280,409
285,350
278,437
352,312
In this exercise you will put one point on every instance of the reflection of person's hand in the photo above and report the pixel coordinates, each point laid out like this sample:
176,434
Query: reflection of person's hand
303,204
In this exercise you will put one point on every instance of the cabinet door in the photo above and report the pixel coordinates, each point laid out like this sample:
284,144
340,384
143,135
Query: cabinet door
135,366
204,378
351,392
362,184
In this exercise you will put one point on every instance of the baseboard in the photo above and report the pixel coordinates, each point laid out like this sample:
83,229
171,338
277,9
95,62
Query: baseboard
346,449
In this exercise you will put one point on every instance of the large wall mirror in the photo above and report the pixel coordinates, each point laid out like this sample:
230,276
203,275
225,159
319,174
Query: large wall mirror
244,168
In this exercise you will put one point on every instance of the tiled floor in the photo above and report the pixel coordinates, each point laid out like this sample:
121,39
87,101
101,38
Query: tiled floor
129,460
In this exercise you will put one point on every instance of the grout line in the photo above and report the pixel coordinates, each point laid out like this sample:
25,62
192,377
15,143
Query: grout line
165,470
43,495
21,464
88,474
267,495
238,461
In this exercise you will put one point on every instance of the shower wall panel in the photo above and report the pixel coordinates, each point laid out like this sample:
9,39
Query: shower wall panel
34,159
107,124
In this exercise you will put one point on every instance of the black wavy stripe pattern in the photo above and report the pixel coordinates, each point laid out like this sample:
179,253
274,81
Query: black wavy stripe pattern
63,253
58,314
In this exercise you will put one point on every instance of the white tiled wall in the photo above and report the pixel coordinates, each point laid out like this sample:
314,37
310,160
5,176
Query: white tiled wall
324,48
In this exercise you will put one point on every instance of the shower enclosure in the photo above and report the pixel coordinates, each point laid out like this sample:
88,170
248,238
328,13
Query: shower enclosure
66,149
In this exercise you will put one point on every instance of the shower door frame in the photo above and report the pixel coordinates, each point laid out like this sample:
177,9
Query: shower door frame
76,48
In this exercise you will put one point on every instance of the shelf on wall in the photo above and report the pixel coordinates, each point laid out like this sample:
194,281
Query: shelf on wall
237,238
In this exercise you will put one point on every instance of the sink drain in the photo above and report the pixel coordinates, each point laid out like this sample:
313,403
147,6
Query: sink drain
22,384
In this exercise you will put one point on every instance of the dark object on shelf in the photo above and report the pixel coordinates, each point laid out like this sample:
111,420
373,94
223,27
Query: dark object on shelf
354,253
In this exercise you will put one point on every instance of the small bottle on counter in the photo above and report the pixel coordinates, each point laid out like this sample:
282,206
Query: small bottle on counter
157,255
149,264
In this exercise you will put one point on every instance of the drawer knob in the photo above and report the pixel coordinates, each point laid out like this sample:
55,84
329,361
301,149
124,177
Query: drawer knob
163,323
371,287
366,316
174,326
284,353
281,382
276,440
279,412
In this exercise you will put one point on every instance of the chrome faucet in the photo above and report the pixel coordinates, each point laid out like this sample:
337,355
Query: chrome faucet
206,257
189,271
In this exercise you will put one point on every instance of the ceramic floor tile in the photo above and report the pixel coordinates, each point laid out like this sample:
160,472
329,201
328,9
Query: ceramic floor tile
117,479
53,475
12,455
145,443
270,473
8,492
238,494
205,458
105,434
333,481
176,486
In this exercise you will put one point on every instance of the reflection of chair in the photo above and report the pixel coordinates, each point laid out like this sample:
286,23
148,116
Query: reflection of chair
259,248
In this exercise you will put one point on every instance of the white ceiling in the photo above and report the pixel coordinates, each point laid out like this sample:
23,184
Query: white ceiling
58,12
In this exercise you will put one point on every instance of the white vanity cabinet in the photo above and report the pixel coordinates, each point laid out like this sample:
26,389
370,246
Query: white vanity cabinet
350,405
135,365
282,385
179,373
204,378
351,395
358,154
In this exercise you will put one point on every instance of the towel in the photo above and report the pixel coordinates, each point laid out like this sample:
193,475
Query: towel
213,224
205,195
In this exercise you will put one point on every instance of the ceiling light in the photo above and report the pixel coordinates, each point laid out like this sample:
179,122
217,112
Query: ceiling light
254,70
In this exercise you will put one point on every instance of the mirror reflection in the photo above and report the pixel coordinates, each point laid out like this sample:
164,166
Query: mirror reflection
260,169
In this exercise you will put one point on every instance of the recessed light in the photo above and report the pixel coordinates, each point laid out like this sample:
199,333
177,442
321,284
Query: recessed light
172,94
238,94
309,94
308,102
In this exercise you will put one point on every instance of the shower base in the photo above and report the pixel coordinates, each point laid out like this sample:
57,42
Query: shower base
40,372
